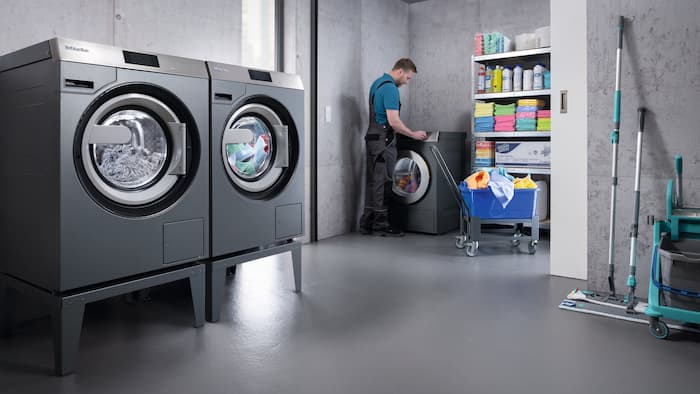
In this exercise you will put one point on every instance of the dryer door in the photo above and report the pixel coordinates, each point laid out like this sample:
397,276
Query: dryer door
411,177
258,149
132,152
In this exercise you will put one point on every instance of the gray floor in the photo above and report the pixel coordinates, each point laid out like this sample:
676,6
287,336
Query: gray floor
376,315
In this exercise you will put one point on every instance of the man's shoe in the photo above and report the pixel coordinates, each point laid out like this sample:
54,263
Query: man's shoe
389,232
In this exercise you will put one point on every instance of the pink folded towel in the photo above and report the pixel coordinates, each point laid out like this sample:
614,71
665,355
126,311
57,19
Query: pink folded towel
525,115
504,118
504,127
544,113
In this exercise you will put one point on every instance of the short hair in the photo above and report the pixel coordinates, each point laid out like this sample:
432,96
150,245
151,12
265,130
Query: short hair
405,64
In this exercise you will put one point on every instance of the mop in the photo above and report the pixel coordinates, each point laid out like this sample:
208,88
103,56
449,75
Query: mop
615,139
632,278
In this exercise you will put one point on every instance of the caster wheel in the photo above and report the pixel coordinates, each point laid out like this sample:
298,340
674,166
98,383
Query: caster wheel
532,247
657,328
514,242
472,249
459,243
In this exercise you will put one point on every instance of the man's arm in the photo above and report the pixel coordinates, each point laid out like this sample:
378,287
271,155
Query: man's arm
398,126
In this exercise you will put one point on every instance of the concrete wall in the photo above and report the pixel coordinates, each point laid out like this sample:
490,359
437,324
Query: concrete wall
442,41
356,45
209,30
660,71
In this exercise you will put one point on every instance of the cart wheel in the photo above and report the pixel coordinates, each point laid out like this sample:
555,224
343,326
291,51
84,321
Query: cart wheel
532,247
657,328
472,248
459,242
514,242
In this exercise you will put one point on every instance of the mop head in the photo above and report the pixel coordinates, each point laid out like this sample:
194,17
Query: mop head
590,297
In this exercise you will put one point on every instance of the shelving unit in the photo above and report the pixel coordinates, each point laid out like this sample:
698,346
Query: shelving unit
527,59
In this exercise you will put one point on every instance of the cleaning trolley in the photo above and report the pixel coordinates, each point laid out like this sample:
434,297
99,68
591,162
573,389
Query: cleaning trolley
480,206
674,285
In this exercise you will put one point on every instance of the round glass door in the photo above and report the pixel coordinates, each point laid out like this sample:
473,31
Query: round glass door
138,163
133,149
411,177
249,160
255,148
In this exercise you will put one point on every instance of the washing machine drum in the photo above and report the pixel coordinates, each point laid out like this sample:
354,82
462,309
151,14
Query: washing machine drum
258,148
411,177
135,151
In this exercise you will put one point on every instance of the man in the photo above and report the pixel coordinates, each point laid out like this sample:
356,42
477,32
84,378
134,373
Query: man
384,122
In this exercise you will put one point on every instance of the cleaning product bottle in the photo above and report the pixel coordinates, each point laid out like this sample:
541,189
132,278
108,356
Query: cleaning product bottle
481,75
507,79
497,80
487,79
547,79
527,80
517,78
538,77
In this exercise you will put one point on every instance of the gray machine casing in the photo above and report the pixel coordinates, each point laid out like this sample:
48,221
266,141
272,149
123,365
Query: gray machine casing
55,235
437,211
243,221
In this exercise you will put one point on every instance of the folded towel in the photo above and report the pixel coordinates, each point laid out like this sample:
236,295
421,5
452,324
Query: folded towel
525,115
531,102
485,121
504,118
483,114
526,108
505,107
544,113
503,128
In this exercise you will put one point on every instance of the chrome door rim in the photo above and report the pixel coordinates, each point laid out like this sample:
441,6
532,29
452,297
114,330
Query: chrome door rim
422,189
273,173
162,185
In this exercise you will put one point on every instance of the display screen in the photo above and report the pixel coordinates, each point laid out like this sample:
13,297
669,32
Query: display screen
141,59
260,75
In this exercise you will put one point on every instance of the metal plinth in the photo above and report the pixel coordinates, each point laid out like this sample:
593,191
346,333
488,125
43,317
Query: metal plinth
67,309
216,273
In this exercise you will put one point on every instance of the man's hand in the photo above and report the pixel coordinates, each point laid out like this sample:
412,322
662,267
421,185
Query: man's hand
419,135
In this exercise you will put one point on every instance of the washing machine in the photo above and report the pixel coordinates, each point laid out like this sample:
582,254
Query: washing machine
105,163
421,200
105,174
257,169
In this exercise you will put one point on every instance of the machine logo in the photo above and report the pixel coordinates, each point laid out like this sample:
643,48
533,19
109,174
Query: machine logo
217,68
77,49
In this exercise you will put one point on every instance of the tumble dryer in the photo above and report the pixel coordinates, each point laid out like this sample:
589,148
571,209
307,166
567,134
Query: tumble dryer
257,170
105,170
421,200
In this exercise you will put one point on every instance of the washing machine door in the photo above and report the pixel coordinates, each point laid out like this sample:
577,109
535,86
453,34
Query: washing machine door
256,149
411,177
133,151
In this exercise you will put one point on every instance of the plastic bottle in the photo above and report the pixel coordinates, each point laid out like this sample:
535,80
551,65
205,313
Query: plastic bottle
547,79
487,79
527,79
497,80
507,79
538,77
517,78
481,76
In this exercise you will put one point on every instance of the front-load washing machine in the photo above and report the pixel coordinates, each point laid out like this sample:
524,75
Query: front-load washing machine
421,200
257,170
104,169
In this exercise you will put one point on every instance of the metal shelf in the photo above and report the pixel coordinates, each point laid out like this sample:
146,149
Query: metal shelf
515,134
519,94
522,170
508,55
